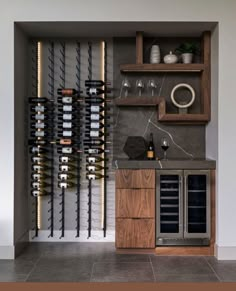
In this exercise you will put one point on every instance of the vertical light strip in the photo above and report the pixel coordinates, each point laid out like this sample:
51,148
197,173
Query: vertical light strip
39,94
103,137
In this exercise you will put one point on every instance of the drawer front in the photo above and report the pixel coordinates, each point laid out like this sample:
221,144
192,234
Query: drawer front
135,179
135,233
138,203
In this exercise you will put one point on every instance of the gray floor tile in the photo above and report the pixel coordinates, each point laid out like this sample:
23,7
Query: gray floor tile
225,270
128,258
15,267
9,277
61,270
178,265
122,272
186,278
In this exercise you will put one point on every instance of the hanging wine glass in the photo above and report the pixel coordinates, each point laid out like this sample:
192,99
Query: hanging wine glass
165,145
152,85
139,86
126,85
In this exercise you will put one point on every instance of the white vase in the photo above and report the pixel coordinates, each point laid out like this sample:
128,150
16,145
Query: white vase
155,55
187,58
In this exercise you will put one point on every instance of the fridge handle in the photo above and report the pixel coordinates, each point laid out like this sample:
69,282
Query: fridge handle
185,205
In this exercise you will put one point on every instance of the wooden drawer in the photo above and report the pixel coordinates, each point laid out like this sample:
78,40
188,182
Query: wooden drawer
135,203
135,179
135,233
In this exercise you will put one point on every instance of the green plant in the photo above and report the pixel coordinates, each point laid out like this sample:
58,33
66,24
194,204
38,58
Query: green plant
188,47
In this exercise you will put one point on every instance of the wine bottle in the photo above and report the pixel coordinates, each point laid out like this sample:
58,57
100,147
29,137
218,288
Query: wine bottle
66,185
67,167
68,150
39,176
66,108
68,91
96,100
93,168
40,133
95,108
96,117
66,133
95,151
62,141
94,91
95,176
39,167
37,142
95,133
41,108
96,83
66,116
37,193
38,150
95,125
68,100
41,116
65,159
39,125
95,142
92,160
66,125
151,149
62,176
39,100
39,184
41,159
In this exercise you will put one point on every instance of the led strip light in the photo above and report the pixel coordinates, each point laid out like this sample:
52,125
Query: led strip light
103,138
39,94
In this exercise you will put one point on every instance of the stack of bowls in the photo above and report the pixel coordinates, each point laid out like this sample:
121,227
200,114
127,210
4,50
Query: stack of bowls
155,56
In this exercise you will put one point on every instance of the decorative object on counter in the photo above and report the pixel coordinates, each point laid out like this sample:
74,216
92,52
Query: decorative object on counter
170,58
139,86
135,147
151,149
155,55
126,86
187,50
152,85
165,145
184,105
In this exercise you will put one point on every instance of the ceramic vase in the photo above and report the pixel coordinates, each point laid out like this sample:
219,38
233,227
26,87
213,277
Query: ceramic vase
155,56
187,58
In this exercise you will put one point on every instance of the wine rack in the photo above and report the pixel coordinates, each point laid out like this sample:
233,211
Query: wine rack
67,129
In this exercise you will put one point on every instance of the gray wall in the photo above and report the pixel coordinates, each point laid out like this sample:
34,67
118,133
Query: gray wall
21,56
134,121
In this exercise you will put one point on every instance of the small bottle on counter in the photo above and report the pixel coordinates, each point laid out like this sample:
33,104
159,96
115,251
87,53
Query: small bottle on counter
151,149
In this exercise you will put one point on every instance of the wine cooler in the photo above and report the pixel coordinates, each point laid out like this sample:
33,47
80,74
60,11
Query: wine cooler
183,207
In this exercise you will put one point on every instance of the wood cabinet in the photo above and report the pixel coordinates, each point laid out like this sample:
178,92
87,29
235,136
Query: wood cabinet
135,208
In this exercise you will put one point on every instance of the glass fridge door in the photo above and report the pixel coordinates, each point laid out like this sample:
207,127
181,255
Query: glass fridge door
197,204
169,218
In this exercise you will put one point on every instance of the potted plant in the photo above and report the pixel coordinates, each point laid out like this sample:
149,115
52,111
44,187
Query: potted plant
187,50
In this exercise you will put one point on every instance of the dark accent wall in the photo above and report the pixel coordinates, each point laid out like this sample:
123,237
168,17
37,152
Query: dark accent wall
130,121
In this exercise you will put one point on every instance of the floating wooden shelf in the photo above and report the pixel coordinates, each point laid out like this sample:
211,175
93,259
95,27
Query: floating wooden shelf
163,116
155,68
203,68
138,101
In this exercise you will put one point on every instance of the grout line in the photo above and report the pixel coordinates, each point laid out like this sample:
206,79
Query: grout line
217,276
154,276
91,273
34,267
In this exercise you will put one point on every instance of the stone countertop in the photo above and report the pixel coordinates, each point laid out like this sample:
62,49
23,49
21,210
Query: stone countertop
172,164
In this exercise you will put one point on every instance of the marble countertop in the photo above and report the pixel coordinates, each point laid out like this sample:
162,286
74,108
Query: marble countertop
172,164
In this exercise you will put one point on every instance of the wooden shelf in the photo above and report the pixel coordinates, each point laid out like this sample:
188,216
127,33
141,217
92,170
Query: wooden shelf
138,101
155,68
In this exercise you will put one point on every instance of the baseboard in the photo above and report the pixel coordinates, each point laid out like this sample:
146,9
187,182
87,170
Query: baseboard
225,253
7,252
21,243
70,236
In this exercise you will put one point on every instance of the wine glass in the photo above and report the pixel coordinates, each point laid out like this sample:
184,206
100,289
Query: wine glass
152,85
139,86
126,85
165,145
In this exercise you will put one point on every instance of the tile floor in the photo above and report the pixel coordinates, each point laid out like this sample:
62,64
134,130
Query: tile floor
98,262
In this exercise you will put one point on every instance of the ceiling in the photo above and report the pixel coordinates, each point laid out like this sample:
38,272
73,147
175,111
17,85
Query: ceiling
113,29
